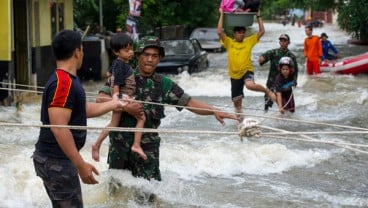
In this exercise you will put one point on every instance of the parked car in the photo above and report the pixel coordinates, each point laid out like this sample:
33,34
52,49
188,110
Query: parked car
183,55
208,38
315,23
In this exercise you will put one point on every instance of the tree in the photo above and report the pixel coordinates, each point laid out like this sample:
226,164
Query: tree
157,13
353,14
86,12
353,17
270,8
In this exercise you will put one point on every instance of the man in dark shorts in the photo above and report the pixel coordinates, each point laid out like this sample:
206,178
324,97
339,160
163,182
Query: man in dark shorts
56,159
240,68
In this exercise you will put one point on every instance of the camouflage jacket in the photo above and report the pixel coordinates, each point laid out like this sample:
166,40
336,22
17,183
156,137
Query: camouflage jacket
155,89
274,56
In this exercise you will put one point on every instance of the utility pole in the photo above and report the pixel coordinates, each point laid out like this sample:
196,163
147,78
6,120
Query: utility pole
101,17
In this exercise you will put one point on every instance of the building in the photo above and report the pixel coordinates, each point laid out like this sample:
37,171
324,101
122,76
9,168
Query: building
27,28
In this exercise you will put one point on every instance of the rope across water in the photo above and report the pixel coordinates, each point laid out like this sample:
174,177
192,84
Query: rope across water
279,132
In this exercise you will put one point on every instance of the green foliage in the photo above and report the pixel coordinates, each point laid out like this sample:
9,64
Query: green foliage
110,12
271,8
86,12
353,17
316,5
120,18
353,14
156,13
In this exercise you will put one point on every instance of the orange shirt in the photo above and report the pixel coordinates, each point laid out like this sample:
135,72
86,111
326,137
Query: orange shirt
312,48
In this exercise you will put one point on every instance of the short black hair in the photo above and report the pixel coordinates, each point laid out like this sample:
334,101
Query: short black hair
119,41
64,44
310,27
239,29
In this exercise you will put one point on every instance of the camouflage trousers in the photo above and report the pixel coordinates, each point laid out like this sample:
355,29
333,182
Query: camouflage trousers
121,157
60,179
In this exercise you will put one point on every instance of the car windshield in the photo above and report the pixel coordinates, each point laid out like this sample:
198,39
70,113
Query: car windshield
205,34
177,47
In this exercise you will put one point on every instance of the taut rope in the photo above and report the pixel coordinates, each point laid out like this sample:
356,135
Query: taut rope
146,130
250,130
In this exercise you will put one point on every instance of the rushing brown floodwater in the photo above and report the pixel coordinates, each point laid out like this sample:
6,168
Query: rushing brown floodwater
215,170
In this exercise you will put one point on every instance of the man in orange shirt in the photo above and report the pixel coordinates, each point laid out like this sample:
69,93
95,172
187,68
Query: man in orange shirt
312,51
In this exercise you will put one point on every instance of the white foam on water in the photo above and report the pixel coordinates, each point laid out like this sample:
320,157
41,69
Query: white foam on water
217,159
321,197
205,84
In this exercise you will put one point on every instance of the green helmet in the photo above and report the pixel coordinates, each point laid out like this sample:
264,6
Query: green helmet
150,41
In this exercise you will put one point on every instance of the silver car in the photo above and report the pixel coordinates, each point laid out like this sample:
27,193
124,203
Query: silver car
208,39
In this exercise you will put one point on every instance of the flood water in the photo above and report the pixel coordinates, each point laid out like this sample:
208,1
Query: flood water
209,169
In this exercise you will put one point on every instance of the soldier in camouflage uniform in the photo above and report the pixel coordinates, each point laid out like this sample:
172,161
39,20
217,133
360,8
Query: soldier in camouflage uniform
274,56
151,87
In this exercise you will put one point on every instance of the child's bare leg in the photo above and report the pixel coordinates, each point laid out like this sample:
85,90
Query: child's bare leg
272,96
251,85
96,146
115,119
136,147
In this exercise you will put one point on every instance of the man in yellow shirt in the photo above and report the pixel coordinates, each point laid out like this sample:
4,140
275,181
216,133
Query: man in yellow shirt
239,49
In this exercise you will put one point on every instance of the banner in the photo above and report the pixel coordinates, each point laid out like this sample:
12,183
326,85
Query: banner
135,7
131,27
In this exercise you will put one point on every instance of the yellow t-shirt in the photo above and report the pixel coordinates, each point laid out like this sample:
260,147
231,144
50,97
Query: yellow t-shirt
239,55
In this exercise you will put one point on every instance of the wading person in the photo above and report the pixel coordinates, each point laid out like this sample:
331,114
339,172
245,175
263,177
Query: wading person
274,56
326,47
150,87
312,51
284,83
56,158
121,82
239,49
